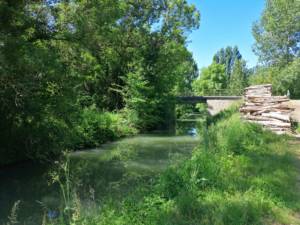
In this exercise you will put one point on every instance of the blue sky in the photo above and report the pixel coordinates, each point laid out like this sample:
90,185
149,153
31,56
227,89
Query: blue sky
223,23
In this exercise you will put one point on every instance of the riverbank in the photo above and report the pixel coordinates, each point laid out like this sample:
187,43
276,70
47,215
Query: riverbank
238,174
112,171
90,129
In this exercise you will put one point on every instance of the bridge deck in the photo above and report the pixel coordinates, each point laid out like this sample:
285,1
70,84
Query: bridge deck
203,99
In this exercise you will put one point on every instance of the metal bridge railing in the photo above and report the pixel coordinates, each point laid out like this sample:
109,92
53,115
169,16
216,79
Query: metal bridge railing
215,92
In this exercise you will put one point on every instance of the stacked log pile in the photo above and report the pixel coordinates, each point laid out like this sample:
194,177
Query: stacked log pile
270,111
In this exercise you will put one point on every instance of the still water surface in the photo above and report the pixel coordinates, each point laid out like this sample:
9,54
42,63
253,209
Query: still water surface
111,170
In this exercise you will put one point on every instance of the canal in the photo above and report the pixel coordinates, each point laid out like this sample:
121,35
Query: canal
110,171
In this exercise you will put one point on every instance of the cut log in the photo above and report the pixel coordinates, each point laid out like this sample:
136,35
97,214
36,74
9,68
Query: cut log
261,108
272,112
257,87
260,112
276,115
260,99
273,124
261,118
277,129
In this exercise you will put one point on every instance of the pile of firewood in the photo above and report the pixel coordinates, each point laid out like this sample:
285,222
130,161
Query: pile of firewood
270,111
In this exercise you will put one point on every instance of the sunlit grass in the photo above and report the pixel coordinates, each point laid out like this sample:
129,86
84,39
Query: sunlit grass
245,176
248,176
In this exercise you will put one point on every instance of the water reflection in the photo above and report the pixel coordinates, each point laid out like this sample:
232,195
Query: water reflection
110,171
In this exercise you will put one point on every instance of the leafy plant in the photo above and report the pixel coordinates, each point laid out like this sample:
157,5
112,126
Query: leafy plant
13,217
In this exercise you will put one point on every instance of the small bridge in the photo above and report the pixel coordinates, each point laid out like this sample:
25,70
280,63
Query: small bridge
220,99
217,100
203,99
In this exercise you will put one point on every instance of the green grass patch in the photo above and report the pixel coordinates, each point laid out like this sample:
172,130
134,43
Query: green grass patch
244,175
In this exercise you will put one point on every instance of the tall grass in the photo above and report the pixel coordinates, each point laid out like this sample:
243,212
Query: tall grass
298,128
247,176
13,217
242,175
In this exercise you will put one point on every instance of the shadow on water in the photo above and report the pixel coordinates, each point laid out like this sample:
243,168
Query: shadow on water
28,183
109,171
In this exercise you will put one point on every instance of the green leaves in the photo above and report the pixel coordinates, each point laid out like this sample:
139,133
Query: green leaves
277,32
227,75
58,60
211,79
227,57
238,79
284,79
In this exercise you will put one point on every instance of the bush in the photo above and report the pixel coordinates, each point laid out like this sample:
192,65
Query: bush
241,136
50,135
246,176
283,79
39,139
97,127
242,178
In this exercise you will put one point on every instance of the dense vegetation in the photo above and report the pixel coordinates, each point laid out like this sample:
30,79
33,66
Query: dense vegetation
277,45
239,174
75,74
227,75
245,176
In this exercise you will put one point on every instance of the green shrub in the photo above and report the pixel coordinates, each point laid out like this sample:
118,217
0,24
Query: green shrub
246,176
171,183
98,127
283,79
236,136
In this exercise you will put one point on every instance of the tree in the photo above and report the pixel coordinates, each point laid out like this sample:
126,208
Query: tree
227,57
238,79
277,34
288,79
277,37
211,80
58,59
282,79
37,98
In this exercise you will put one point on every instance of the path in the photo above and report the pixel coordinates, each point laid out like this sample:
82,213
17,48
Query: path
296,114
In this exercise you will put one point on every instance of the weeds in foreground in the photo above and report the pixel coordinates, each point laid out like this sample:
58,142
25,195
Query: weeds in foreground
246,176
13,217
70,208
242,175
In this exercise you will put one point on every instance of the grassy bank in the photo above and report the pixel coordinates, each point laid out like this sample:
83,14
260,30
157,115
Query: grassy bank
241,175
298,128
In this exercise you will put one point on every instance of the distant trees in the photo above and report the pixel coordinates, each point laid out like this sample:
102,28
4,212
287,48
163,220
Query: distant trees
277,36
227,57
211,79
228,72
238,78
283,79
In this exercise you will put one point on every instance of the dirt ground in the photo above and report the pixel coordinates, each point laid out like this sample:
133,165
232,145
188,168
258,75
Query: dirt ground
296,105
